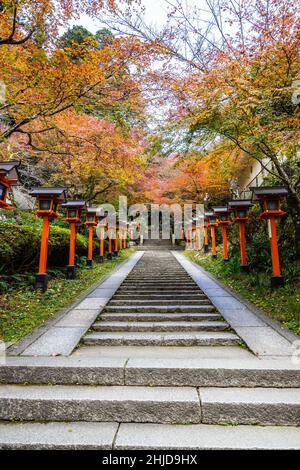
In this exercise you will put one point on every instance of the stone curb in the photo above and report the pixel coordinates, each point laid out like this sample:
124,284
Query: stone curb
275,324
20,346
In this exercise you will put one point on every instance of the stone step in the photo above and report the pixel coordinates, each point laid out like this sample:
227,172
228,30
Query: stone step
163,302
158,272
159,296
158,278
167,249
157,317
160,309
133,436
157,282
250,406
266,406
159,291
159,286
146,436
158,370
161,339
57,436
99,403
160,326
197,370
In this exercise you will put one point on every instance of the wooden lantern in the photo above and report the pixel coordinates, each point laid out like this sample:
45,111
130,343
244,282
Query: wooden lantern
212,224
189,234
205,227
9,176
102,226
240,208
48,200
111,233
74,210
270,200
90,222
222,217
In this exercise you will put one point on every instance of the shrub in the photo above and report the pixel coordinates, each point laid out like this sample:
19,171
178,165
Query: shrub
20,245
258,246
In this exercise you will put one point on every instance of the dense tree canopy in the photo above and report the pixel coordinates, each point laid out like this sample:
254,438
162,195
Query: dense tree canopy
71,108
168,113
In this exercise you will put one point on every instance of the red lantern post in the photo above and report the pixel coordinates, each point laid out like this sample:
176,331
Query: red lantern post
102,223
74,210
9,176
212,223
48,200
90,222
270,200
222,215
240,208
205,226
118,236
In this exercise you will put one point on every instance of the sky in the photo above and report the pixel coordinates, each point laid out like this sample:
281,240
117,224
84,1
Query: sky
155,13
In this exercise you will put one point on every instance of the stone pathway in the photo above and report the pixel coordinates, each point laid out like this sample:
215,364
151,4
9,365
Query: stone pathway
167,356
159,304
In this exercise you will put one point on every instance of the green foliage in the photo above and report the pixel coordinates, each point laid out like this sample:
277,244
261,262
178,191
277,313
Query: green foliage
258,245
282,304
20,235
22,308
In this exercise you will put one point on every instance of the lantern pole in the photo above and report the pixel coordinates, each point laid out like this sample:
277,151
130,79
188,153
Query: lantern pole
74,209
116,250
240,208
205,239
48,199
71,266
90,246
198,239
222,216
211,219
270,199
274,248
109,250
122,238
41,276
101,243
225,243
242,233
90,222
213,241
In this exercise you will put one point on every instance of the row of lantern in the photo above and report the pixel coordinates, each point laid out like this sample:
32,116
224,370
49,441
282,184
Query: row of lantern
270,200
48,201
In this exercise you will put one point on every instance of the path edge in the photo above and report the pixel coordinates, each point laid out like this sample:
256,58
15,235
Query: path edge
17,348
275,324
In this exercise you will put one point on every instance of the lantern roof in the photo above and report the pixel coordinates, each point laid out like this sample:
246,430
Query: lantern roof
265,191
220,210
74,204
92,210
57,193
10,170
240,204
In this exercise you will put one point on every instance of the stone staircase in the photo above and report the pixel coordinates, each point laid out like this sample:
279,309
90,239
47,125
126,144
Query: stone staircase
150,244
159,304
159,369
